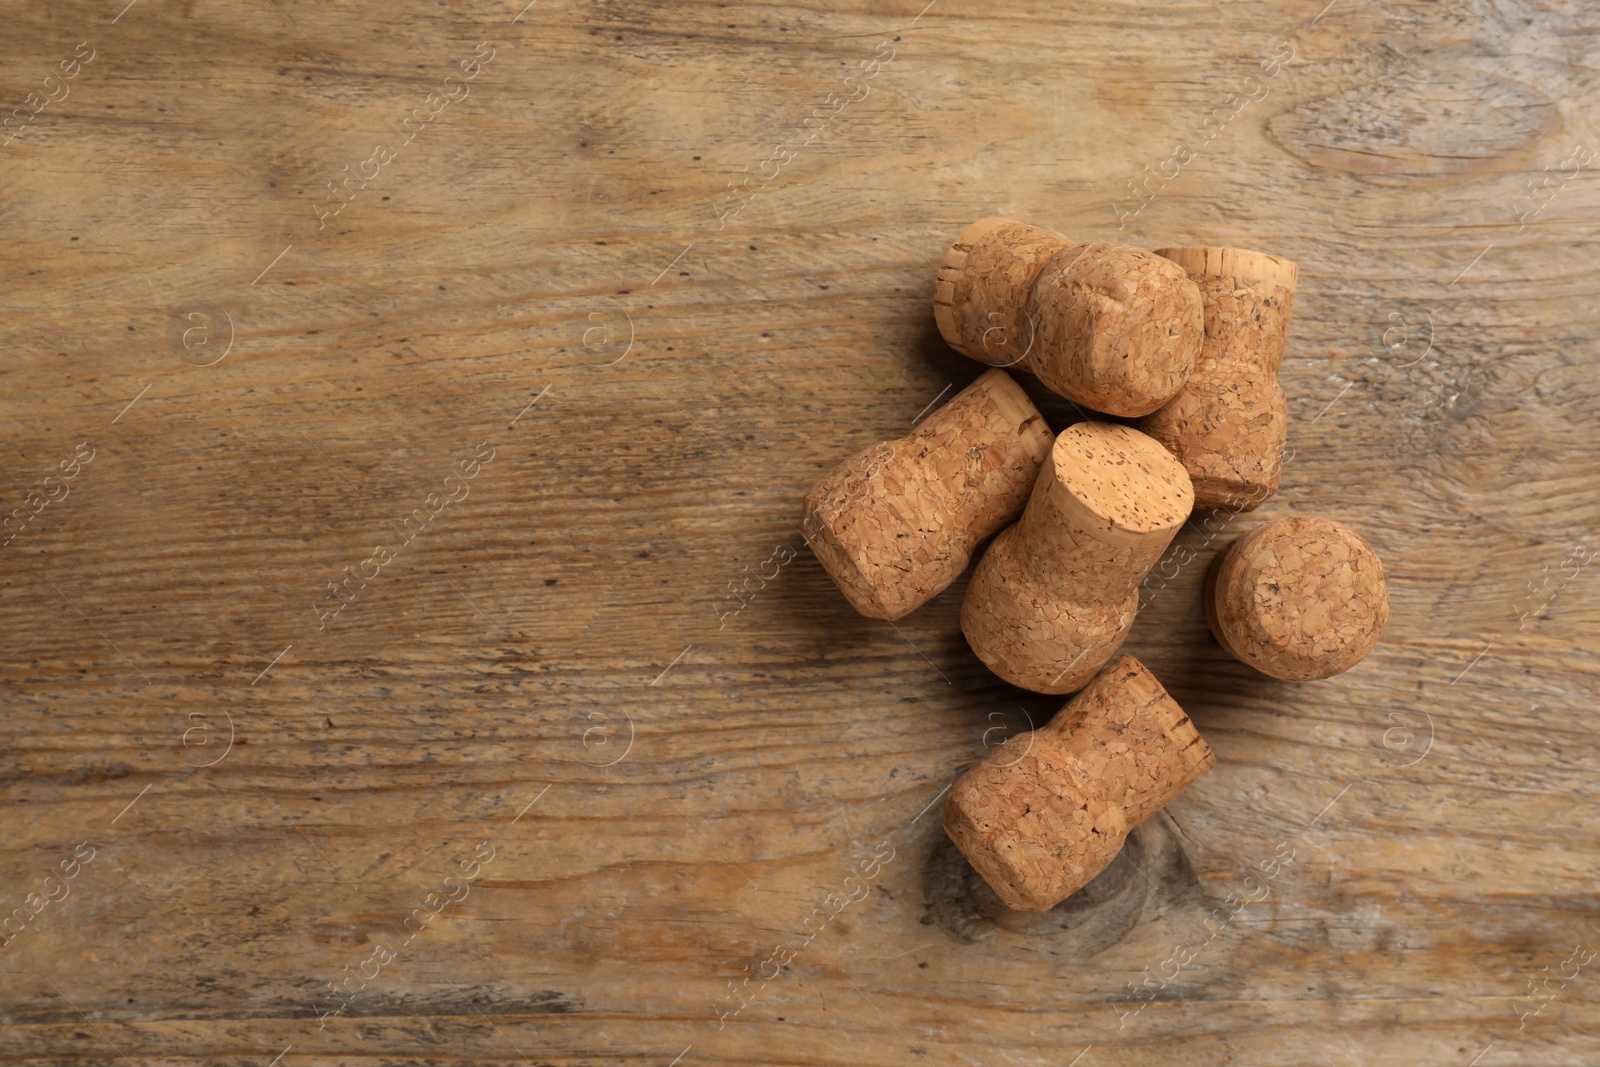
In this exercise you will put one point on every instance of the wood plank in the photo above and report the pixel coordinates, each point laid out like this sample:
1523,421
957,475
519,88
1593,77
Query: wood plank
551,272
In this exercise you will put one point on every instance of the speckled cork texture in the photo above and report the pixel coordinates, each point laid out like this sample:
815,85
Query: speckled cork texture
1115,328
897,523
1054,595
1229,423
1048,810
1298,599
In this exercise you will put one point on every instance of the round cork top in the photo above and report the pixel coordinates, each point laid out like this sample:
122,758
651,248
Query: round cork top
1299,598
1203,261
1118,484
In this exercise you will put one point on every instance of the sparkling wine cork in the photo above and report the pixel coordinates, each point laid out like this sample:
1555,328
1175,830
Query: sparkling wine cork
897,523
1299,598
1045,812
1054,595
1112,327
1229,423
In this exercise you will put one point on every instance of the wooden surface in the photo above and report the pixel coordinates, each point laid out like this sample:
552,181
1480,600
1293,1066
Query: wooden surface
674,796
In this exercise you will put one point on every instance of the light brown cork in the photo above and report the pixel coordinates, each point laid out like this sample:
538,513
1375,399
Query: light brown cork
897,523
1053,597
1048,810
1299,598
1229,423
1112,327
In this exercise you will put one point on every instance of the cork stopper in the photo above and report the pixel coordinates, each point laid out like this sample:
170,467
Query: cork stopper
1112,327
1299,598
1054,595
1229,423
1046,811
897,523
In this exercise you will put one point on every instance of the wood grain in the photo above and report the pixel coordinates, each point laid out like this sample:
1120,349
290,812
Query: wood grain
700,240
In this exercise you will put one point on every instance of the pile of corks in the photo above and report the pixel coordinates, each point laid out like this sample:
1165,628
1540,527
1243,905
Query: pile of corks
1184,343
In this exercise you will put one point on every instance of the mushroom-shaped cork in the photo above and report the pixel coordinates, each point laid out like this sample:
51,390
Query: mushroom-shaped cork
1113,327
1229,422
897,523
1048,810
1299,598
1054,595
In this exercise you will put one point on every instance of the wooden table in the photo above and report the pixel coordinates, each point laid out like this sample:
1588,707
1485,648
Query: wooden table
531,328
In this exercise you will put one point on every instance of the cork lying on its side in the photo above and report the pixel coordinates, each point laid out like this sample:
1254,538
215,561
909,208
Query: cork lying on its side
1229,422
897,523
1112,327
1299,598
1048,810
1054,595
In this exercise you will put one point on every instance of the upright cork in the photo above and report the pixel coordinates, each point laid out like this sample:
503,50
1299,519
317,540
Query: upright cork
1040,825
897,523
1299,598
1053,597
1114,328
1229,423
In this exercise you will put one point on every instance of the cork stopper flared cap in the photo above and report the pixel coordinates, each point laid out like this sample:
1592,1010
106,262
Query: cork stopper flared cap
1045,812
1230,423
1054,596
1109,326
894,525
1298,599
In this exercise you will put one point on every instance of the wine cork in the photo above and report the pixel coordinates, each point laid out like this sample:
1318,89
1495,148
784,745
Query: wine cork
1228,424
897,523
1299,598
1046,811
1055,594
1114,328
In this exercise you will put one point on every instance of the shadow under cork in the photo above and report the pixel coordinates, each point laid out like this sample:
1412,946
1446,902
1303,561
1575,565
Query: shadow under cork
932,352
1172,637
1151,873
